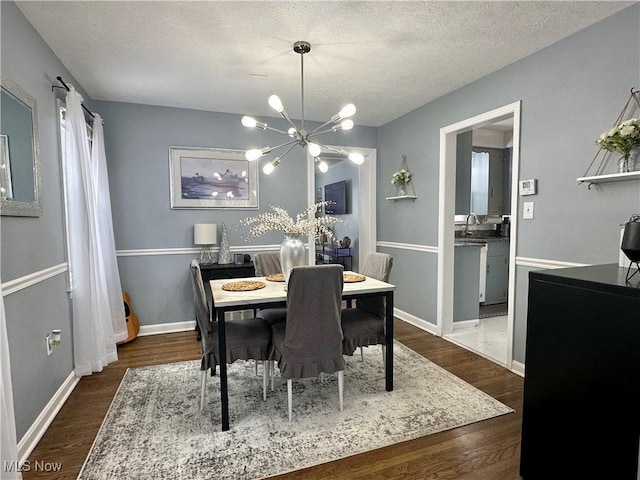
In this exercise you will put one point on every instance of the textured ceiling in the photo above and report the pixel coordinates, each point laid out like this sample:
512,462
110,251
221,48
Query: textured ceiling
386,57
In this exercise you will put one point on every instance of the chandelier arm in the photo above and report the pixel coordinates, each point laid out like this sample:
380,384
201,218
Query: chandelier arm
322,126
314,133
284,115
287,151
292,142
276,130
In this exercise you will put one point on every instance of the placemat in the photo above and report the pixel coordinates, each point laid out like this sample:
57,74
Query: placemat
243,286
275,277
353,277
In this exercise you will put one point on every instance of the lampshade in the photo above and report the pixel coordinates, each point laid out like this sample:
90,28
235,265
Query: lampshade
205,234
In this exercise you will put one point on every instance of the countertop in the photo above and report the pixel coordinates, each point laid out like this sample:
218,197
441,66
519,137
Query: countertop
472,241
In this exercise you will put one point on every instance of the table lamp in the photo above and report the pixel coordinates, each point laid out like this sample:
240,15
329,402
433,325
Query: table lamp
205,234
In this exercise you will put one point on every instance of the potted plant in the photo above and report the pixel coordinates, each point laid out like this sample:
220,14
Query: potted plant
622,138
292,250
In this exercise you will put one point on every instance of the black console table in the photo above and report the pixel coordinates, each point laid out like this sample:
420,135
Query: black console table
216,271
581,412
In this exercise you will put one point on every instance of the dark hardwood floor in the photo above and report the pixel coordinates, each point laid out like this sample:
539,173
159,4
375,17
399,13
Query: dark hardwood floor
487,450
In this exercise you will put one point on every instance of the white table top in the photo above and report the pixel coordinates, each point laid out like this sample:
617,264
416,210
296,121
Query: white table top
275,292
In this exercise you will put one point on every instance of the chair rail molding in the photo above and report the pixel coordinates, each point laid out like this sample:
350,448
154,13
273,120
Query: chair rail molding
146,252
20,283
408,246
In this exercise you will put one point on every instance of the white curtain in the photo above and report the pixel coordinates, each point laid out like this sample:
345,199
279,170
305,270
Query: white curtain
98,320
8,445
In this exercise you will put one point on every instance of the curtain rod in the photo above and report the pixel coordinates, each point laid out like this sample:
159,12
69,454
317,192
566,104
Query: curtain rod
59,78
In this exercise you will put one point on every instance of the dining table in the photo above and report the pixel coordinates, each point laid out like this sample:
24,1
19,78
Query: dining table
274,293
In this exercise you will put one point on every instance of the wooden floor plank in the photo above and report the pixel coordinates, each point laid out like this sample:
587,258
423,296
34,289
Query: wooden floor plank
487,450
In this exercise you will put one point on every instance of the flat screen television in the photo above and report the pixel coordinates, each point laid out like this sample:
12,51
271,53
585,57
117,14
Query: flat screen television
336,193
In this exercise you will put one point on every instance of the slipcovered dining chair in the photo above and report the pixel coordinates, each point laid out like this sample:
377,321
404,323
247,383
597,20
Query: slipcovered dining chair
269,264
246,338
310,341
364,325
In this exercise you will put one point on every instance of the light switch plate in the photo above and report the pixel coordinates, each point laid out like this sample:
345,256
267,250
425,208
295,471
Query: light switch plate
527,213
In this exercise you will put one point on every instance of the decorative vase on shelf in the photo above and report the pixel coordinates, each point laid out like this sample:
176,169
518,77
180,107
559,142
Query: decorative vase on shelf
623,164
292,254
402,190
224,255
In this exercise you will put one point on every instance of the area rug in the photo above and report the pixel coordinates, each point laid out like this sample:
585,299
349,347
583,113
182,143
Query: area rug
155,429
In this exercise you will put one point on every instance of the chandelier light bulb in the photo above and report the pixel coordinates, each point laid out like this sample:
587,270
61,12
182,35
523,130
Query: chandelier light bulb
314,149
256,153
347,124
356,158
276,103
347,111
248,121
322,166
268,168
292,132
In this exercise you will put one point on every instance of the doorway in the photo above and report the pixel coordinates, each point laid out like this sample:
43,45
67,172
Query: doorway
364,197
446,228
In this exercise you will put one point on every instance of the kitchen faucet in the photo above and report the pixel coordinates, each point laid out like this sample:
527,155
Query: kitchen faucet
466,222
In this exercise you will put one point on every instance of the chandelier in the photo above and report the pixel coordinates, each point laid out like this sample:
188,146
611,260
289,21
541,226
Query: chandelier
339,121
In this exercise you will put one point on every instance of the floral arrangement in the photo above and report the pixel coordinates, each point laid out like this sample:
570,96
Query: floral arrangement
277,218
401,177
621,138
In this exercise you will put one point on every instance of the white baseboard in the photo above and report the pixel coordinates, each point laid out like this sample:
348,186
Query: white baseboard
31,438
517,368
415,321
466,323
160,328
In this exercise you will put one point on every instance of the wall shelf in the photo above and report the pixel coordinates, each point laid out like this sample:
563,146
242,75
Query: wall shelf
613,177
402,197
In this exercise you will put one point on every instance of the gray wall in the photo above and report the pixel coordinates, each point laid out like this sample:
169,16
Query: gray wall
30,245
137,145
571,92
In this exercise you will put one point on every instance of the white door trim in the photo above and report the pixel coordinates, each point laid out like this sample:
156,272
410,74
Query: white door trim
366,198
447,183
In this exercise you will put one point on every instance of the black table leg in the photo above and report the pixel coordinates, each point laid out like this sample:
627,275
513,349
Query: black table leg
389,341
224,393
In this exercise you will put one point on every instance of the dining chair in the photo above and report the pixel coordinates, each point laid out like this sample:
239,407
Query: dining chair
246,338
364,325
309,343
269,264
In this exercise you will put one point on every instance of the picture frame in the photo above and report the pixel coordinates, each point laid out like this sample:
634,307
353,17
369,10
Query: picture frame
203,177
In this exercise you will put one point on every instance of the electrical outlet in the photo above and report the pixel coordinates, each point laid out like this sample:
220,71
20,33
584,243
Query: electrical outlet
48,344
528,210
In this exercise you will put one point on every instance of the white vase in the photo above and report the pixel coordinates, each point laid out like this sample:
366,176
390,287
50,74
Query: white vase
292,254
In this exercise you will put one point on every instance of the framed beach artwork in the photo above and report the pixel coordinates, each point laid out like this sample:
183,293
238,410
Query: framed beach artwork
212,178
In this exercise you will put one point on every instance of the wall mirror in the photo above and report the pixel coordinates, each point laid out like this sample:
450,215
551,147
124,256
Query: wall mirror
20,183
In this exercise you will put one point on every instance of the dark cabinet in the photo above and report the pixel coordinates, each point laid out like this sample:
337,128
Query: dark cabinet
581,411
216,271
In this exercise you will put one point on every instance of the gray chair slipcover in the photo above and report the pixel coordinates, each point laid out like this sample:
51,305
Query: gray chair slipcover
364,325
246,338
310,341
269,264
